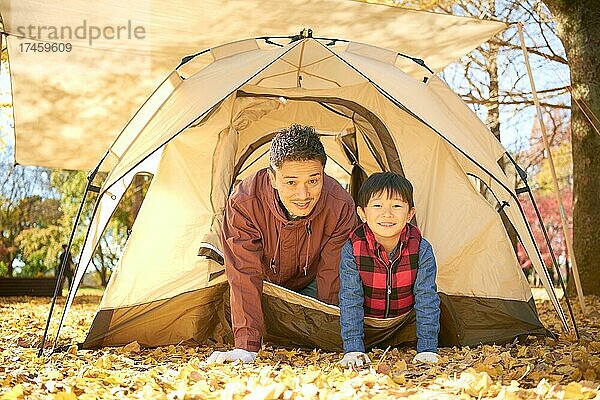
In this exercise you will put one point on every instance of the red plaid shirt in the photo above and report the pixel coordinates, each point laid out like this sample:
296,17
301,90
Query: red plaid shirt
388,285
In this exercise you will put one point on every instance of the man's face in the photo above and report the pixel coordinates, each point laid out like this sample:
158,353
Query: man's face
299,184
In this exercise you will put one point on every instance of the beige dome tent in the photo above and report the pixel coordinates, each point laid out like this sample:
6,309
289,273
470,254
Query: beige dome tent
201,131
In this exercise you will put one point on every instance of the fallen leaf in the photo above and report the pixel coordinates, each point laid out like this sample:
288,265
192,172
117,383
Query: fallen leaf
65,396
16,393
383,368
133,347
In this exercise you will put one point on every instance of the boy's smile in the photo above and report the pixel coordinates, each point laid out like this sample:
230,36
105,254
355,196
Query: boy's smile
386,217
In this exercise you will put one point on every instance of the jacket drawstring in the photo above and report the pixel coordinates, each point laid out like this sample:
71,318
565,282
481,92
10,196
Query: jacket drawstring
309,232
272,266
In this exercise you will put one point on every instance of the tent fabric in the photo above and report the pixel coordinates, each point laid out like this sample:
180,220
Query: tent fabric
191,317
166,283
68,101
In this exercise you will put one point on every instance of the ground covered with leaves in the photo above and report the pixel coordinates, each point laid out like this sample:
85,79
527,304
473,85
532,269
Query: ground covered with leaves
537,369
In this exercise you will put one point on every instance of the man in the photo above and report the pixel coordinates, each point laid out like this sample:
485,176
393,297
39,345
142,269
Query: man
285,224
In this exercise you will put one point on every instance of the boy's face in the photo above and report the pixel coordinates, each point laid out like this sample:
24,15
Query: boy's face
299,184
386,216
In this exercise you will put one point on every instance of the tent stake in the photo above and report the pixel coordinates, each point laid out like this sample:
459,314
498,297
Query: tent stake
563,216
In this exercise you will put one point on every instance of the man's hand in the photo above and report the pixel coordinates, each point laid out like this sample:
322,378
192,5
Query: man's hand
232,355
354,359
426,357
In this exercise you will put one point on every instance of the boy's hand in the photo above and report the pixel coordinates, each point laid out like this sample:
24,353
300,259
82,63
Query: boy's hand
232,355
354,359
426,357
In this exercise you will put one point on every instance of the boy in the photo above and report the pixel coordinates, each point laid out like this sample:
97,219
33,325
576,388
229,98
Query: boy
386,269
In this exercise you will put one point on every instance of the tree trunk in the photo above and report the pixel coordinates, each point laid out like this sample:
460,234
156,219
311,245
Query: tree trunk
102,273
493,111
10,270
579,30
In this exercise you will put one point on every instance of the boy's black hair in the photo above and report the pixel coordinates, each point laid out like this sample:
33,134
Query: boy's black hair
388,182
296,143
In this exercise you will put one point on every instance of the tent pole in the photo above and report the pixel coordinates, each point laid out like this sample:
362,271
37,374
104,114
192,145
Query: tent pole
88,187
73,289
62,269
560,279
563,216
523,177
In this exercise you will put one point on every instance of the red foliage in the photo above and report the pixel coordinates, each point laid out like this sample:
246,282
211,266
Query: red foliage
549,210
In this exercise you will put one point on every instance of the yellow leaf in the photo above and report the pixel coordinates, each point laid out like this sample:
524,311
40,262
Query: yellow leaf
272,391
65,396
103,362
576,375
509,393
400,365
522,351
13,394
289,354
158,353
573,391
542,388
114,379
72,349
594,346
474,383
133,347
310,376
150,360
400,379
535,376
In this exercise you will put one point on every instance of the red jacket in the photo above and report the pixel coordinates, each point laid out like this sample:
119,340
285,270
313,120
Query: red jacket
256,231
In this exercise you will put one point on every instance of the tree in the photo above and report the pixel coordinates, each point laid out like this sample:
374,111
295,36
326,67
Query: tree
492,78
38,207
71,186
5,97
534,157
547,205
579,31
25,203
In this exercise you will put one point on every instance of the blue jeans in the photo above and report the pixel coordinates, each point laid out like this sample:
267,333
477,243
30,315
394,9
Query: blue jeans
310,290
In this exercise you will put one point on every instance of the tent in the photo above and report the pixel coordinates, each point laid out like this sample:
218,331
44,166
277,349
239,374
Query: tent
200,132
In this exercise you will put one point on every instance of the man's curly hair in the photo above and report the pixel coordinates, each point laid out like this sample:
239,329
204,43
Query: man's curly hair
296,143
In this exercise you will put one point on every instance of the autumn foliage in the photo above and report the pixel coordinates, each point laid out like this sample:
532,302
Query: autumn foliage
537,368
548,207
